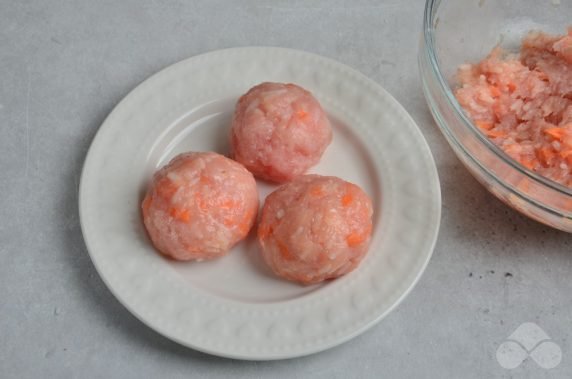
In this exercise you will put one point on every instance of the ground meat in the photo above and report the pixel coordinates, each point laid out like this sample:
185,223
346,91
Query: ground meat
199,205
523,103
315,228
279,131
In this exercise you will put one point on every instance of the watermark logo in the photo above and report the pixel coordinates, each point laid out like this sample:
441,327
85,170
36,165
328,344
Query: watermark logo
529,340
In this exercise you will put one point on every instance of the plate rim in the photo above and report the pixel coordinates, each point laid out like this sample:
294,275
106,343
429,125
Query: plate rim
270,356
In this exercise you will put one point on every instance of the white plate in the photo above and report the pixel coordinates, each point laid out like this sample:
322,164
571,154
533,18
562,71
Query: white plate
234,306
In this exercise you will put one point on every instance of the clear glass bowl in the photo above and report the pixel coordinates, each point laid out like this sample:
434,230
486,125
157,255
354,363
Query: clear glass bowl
461,31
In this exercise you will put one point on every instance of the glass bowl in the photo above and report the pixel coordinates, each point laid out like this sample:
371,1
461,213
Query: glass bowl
461,31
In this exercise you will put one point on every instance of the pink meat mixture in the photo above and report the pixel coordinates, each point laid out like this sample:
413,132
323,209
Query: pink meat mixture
199,205
315,228
523,102
279,131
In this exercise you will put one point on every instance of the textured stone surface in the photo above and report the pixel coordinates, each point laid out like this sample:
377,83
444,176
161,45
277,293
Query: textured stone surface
64,65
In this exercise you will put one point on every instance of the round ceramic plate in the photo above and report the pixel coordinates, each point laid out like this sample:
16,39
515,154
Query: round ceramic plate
234,306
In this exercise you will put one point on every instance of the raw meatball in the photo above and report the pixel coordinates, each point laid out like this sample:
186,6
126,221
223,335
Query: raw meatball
279,131
199,205
315,228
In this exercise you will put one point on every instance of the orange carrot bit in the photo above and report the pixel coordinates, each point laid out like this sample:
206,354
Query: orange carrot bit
347,199
545,155
228,222
185,215
180,214
511,86
495,133
301,114
495,91
228,204
354,239
484,125
527,162
557,133
146,204
566,153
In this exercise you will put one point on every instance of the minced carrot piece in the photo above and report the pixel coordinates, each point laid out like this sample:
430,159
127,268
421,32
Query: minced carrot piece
228,204
185,216
566,153
484,125
301,113
495,133
180,214
511,86
527,162
495,91
347,199
545,155
557,133
354,239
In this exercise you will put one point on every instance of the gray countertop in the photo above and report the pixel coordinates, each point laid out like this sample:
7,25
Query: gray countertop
63,67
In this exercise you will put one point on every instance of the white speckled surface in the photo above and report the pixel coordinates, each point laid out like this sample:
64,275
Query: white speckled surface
64,66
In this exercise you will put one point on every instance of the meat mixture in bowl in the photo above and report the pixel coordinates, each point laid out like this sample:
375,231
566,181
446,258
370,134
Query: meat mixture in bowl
523,102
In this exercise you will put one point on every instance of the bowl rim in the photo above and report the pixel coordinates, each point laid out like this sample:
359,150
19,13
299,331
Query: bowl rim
431,7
